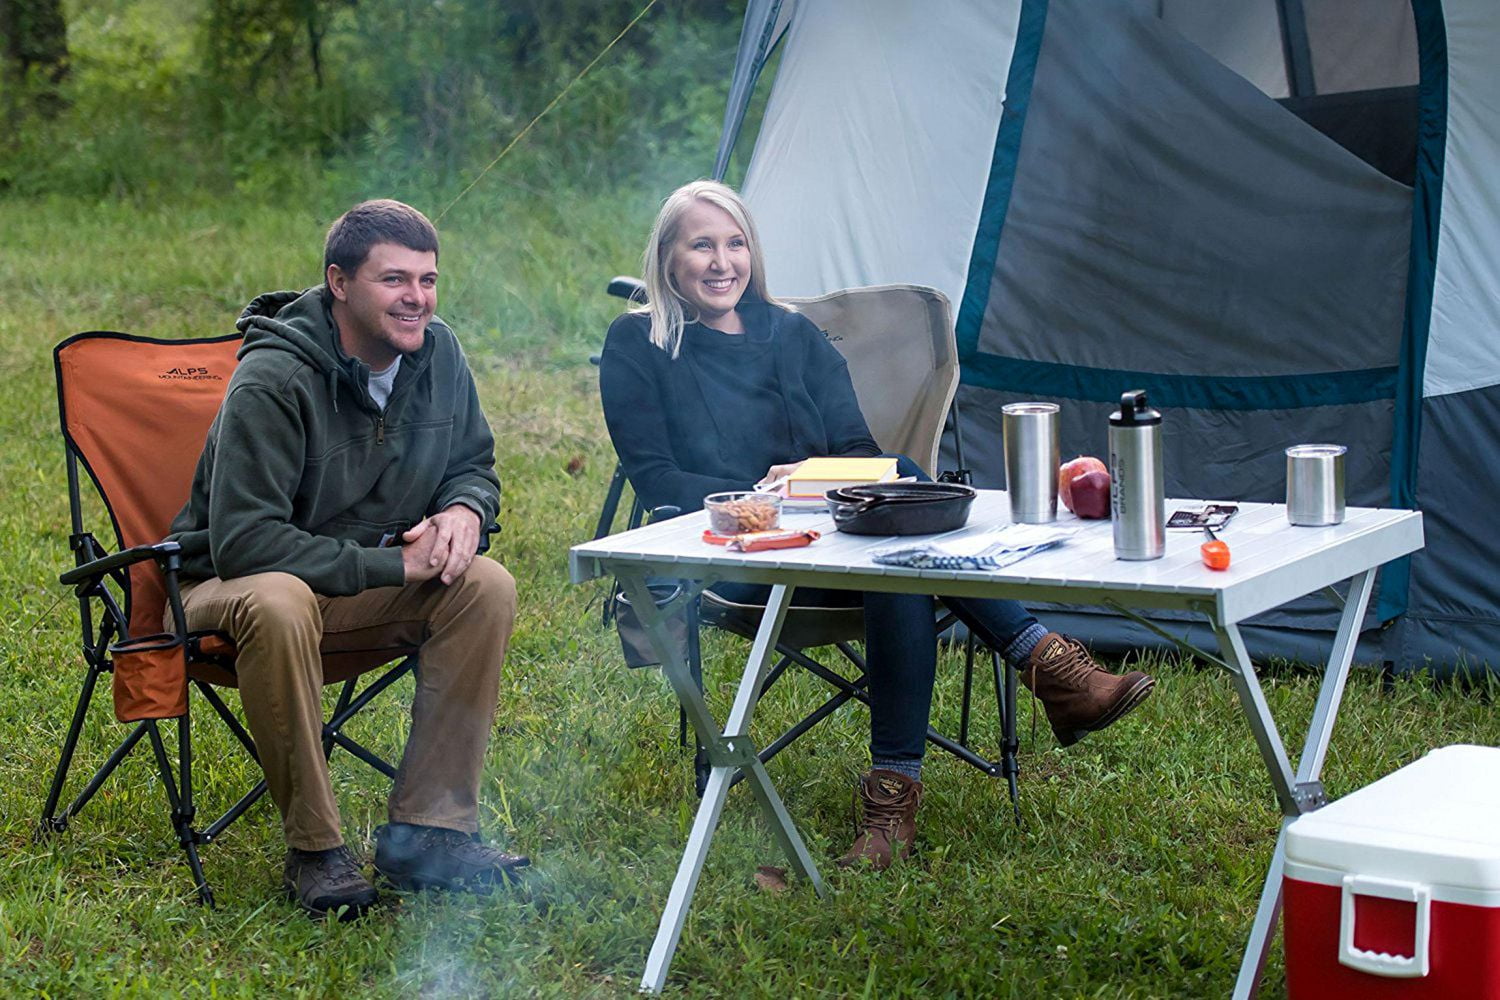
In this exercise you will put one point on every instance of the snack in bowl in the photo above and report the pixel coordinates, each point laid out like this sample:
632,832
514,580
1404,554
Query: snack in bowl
738,512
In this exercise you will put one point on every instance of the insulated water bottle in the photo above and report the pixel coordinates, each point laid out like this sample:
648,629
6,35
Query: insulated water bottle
1137,498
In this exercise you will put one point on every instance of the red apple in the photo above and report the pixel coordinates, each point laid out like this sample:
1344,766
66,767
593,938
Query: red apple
1070,471
1091,494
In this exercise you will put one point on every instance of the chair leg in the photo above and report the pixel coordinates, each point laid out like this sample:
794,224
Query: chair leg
211,832
181,800
187,811
233,723
611,503
702,767
105,770
345,694
49,821
786,739
774,675
856,689
963,716
1010,745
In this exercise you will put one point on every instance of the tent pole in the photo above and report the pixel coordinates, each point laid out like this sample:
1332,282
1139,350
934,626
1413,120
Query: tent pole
1295,48
755,44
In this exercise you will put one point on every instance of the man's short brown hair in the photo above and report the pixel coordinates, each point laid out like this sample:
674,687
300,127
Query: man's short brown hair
382,220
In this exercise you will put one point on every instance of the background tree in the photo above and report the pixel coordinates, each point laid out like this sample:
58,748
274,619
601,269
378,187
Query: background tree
35,36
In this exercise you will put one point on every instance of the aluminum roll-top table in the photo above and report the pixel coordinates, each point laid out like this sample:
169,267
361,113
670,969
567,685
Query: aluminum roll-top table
1273,563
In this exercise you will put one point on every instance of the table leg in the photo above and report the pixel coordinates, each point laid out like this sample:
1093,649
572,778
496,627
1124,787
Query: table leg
669,931
1303,792
1320,730
729,749
1267,912
782,825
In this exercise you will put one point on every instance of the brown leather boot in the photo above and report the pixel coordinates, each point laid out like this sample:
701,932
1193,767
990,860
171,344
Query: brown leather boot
888,802
1079,695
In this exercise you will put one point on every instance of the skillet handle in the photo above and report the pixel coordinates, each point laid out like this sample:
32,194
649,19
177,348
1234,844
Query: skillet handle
857,509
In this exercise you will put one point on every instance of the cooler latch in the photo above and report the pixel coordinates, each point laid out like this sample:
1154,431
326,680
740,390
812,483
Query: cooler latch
1378,963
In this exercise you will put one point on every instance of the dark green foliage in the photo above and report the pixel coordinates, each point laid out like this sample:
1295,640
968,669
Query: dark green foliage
258,96
34,50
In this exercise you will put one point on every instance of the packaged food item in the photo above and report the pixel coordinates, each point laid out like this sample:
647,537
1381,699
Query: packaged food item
755,541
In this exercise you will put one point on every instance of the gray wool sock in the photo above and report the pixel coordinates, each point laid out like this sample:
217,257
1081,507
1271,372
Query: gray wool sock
910,768
1018,650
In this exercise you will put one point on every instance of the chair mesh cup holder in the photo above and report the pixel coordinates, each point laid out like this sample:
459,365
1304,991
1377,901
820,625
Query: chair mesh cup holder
150,677
635,644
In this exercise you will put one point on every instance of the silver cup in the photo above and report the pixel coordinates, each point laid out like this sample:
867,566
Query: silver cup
1315,484
1031,460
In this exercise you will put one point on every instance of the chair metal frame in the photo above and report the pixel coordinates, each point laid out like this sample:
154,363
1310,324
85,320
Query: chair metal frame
101,583
845,688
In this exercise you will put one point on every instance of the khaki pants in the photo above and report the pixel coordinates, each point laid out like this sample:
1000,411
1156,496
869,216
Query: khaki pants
281,627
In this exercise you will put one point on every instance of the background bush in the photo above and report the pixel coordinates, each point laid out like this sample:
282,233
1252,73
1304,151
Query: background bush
267,97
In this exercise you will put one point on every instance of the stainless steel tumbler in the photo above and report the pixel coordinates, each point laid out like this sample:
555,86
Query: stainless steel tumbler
1315,484
1031,460
1137,495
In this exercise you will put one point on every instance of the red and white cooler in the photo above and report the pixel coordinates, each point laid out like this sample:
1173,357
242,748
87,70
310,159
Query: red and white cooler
1394,890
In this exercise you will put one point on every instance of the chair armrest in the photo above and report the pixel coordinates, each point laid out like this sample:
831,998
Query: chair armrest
625,287
93,570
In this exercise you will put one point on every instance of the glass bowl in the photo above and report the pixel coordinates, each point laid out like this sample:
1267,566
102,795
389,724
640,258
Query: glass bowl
741,511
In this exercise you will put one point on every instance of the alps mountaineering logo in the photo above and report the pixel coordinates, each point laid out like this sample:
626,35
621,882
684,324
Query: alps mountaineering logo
190,375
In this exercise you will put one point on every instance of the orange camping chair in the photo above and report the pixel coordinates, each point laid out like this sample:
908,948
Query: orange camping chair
135,413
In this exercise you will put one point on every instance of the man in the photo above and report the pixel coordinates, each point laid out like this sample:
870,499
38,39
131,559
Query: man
345,488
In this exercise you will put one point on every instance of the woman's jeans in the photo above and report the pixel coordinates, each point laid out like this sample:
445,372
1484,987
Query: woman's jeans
901,647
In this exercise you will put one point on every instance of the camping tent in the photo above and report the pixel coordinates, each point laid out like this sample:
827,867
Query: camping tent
1275,215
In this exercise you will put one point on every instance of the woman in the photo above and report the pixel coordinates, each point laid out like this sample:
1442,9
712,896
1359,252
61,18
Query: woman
714,386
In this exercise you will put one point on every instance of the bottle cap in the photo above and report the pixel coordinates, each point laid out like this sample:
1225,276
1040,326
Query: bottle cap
1134,411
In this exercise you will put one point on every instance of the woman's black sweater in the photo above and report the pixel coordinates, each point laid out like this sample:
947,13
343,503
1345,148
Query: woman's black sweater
729,407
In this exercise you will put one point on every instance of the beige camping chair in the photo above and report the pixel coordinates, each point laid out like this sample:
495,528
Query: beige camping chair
898,341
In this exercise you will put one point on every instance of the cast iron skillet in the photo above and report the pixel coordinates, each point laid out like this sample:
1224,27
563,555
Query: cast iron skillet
900,508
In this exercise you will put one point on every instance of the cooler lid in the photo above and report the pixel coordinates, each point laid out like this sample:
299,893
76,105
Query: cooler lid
1436,820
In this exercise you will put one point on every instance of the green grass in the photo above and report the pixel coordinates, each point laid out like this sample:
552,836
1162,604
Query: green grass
1135,872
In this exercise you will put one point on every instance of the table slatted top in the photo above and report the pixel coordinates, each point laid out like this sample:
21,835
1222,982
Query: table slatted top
1273,561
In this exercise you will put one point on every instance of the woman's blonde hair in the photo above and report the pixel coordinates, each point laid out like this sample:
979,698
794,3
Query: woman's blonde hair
668,309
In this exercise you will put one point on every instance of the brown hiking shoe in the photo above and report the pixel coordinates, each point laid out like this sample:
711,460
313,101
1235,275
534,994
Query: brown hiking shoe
888,802
327,883
429,857
1079,695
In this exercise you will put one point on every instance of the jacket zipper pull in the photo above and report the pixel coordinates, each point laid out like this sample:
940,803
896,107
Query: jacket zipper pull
380,429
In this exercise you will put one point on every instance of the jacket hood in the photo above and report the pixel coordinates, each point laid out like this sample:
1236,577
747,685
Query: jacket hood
301,324
297,322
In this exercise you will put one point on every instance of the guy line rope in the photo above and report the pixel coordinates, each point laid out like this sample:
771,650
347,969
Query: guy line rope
552,104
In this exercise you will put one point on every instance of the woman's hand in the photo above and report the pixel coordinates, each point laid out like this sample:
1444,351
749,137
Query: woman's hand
778,472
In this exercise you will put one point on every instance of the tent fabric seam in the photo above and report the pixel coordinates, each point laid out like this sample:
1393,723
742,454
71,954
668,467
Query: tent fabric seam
1255,392
996,204
1427,194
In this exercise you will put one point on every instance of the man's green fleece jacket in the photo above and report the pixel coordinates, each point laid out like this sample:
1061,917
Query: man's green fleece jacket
303,474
